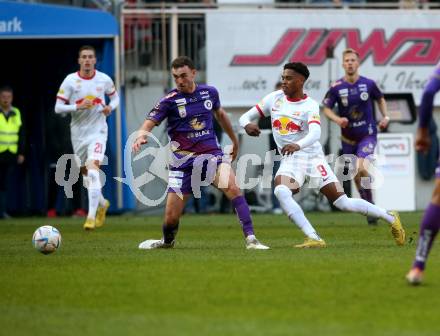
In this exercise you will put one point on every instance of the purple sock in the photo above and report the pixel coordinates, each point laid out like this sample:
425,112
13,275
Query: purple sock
244,215
366,195
428,230
169,232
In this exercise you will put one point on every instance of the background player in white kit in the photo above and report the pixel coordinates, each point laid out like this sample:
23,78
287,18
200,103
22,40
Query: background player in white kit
296,129
82,94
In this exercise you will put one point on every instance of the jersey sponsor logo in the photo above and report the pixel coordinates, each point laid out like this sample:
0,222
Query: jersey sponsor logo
208,104
182,111
363,87
181,101
309,46
343,92
285,125
364,96
204,93
197,125
198,134
93,99
355,114
359,124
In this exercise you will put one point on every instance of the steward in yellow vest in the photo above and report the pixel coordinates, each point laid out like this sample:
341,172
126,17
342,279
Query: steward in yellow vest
11,142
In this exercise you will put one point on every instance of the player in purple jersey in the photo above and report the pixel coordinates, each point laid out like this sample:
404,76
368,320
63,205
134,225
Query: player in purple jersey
354,95
431,220
190,109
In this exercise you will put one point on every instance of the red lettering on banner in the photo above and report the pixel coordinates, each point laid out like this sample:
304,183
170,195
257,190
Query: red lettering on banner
424,51
423,46
312,50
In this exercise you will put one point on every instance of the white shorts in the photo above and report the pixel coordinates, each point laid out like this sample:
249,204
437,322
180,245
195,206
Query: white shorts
90,149
298,166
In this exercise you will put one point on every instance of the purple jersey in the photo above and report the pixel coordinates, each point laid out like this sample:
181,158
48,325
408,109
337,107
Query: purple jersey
190,121
427,102
355,102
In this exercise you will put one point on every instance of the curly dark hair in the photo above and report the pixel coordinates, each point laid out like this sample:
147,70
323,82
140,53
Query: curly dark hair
298,67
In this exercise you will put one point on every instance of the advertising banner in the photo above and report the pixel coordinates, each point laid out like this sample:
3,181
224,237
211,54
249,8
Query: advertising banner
246,50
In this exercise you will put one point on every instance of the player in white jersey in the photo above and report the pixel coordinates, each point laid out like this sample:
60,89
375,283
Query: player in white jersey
296,129
83,95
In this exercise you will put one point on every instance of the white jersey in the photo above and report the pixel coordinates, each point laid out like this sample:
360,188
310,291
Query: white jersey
290,119
74,89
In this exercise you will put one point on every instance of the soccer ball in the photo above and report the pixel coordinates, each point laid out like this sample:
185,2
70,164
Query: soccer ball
46,239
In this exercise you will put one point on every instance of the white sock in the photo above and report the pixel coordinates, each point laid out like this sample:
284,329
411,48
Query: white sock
94,191
294,211
363,207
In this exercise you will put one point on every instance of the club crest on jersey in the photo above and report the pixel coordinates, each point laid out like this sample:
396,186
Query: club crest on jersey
344,101
364,96
208,104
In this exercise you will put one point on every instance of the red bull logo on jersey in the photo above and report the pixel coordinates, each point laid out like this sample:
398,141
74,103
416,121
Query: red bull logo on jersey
93,99
285,125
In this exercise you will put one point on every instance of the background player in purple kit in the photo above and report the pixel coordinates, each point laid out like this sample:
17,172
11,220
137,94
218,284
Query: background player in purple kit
354,95
431,220
190,108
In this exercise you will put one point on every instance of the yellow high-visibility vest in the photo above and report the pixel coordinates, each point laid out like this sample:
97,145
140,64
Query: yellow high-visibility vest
9,131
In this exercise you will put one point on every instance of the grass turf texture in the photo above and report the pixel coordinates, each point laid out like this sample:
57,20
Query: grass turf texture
99,283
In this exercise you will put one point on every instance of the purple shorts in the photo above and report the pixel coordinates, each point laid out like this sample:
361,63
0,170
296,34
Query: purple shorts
188,180
361,149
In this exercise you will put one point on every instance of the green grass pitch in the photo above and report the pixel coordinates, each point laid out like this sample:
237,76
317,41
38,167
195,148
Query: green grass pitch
99,283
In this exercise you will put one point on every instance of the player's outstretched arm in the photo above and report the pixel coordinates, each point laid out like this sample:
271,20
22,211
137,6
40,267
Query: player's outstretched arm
342,122
143,131
246,121
225,123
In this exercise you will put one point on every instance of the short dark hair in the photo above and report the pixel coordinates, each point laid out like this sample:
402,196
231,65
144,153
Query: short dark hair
181,61
6,88
298,67
87,47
